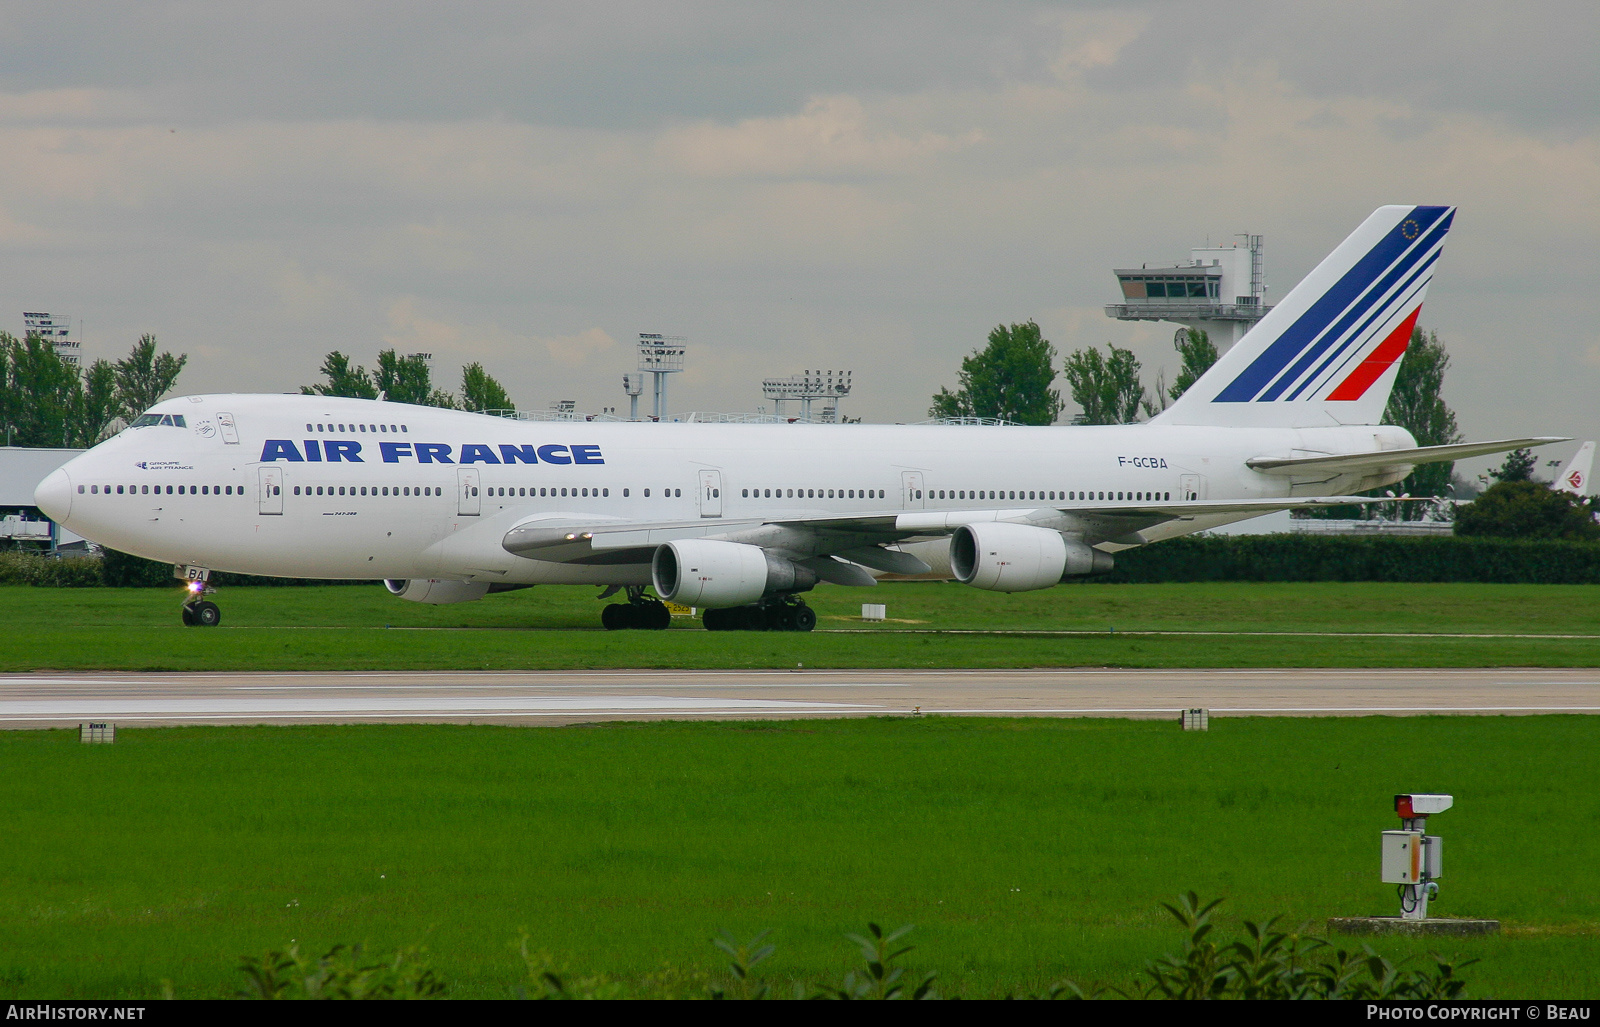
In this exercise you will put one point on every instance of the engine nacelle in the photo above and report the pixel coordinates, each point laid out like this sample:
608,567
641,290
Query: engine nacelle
703,572
436,592
1002,557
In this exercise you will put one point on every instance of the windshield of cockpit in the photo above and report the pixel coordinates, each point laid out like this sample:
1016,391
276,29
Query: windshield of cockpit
146,420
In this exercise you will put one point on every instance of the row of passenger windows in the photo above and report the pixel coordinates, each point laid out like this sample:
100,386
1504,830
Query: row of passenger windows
493,491
372,490
1068,494
507,492
814,493
146,490
363,428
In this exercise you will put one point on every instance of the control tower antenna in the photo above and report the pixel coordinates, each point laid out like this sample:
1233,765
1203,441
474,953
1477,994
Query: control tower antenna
1220,291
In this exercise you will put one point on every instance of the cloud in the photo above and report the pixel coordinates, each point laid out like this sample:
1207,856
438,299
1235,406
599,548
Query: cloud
867,187
578,350
833,135
73,105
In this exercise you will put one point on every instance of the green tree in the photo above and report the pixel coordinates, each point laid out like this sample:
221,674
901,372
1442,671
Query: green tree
342,380
145,376
1009,379
96,406
1518,466
43,390
1197,353
1417,406
408,380
480,391
1527,509
1107,388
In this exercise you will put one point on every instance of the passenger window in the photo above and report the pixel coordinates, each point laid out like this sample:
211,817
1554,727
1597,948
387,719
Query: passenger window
624,493
605,493
308,427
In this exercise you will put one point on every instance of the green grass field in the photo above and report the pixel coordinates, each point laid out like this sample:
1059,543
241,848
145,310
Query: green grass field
362,627
1023,850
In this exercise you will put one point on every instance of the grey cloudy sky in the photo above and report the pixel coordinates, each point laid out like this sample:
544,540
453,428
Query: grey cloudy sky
790,185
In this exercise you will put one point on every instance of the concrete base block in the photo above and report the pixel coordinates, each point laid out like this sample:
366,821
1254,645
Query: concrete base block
1396,925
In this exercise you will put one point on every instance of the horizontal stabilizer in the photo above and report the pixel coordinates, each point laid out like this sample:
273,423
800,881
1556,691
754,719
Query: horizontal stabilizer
1289,465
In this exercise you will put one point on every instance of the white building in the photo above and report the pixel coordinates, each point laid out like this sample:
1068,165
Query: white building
1221,291
55,329
21,471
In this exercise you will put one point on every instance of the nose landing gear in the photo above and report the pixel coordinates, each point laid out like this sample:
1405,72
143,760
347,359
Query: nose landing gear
198,611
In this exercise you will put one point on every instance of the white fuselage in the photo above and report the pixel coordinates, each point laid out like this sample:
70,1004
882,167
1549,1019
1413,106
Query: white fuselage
299,486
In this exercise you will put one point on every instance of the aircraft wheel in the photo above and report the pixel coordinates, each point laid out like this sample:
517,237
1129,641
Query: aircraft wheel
752,618
777,617
715,620
804,618
188,616
654,617
616,617
207,614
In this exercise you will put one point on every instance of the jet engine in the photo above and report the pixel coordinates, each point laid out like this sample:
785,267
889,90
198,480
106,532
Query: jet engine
704,572
435,592
1002,557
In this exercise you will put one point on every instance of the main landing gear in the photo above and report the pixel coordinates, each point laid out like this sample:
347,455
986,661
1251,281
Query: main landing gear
640,612
198,611
782,613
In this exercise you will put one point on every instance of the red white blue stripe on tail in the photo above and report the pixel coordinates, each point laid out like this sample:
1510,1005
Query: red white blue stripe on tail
1359,325
1328,353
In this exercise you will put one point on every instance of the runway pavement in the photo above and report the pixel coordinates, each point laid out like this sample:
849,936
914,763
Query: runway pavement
560,697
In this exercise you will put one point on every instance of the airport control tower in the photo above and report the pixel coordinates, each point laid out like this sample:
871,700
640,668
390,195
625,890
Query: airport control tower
1221,291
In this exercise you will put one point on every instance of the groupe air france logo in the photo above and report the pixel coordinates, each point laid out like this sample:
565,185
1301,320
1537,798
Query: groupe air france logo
1410,229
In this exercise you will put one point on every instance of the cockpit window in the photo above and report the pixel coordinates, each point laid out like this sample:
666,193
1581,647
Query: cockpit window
146,420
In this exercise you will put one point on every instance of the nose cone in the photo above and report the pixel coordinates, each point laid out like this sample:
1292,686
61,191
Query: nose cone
54,496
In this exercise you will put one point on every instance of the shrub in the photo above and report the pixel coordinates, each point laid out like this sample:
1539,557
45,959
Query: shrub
1292,557
25,568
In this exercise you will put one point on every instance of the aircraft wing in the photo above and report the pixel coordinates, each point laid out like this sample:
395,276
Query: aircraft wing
1292,465
860,537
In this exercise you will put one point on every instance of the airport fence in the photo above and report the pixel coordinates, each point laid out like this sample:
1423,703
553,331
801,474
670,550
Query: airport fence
1295,557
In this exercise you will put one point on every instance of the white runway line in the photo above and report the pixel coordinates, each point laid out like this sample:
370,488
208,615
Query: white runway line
927,710
61,709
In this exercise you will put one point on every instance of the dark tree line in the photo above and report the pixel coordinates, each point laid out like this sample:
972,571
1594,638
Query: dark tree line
48,402
1012,379
401,379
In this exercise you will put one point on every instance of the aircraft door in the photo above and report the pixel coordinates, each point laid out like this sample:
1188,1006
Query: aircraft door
710,493
270,496
229,428
911,489
468,503
1193,486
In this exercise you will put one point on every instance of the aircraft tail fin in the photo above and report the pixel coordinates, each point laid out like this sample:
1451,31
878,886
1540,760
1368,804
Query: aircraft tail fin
1574,477
1328,354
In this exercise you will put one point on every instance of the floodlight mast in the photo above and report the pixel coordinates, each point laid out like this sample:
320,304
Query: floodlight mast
659,356
830,386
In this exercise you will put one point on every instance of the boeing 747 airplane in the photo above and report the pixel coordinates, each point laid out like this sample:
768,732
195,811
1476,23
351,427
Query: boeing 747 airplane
742,520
